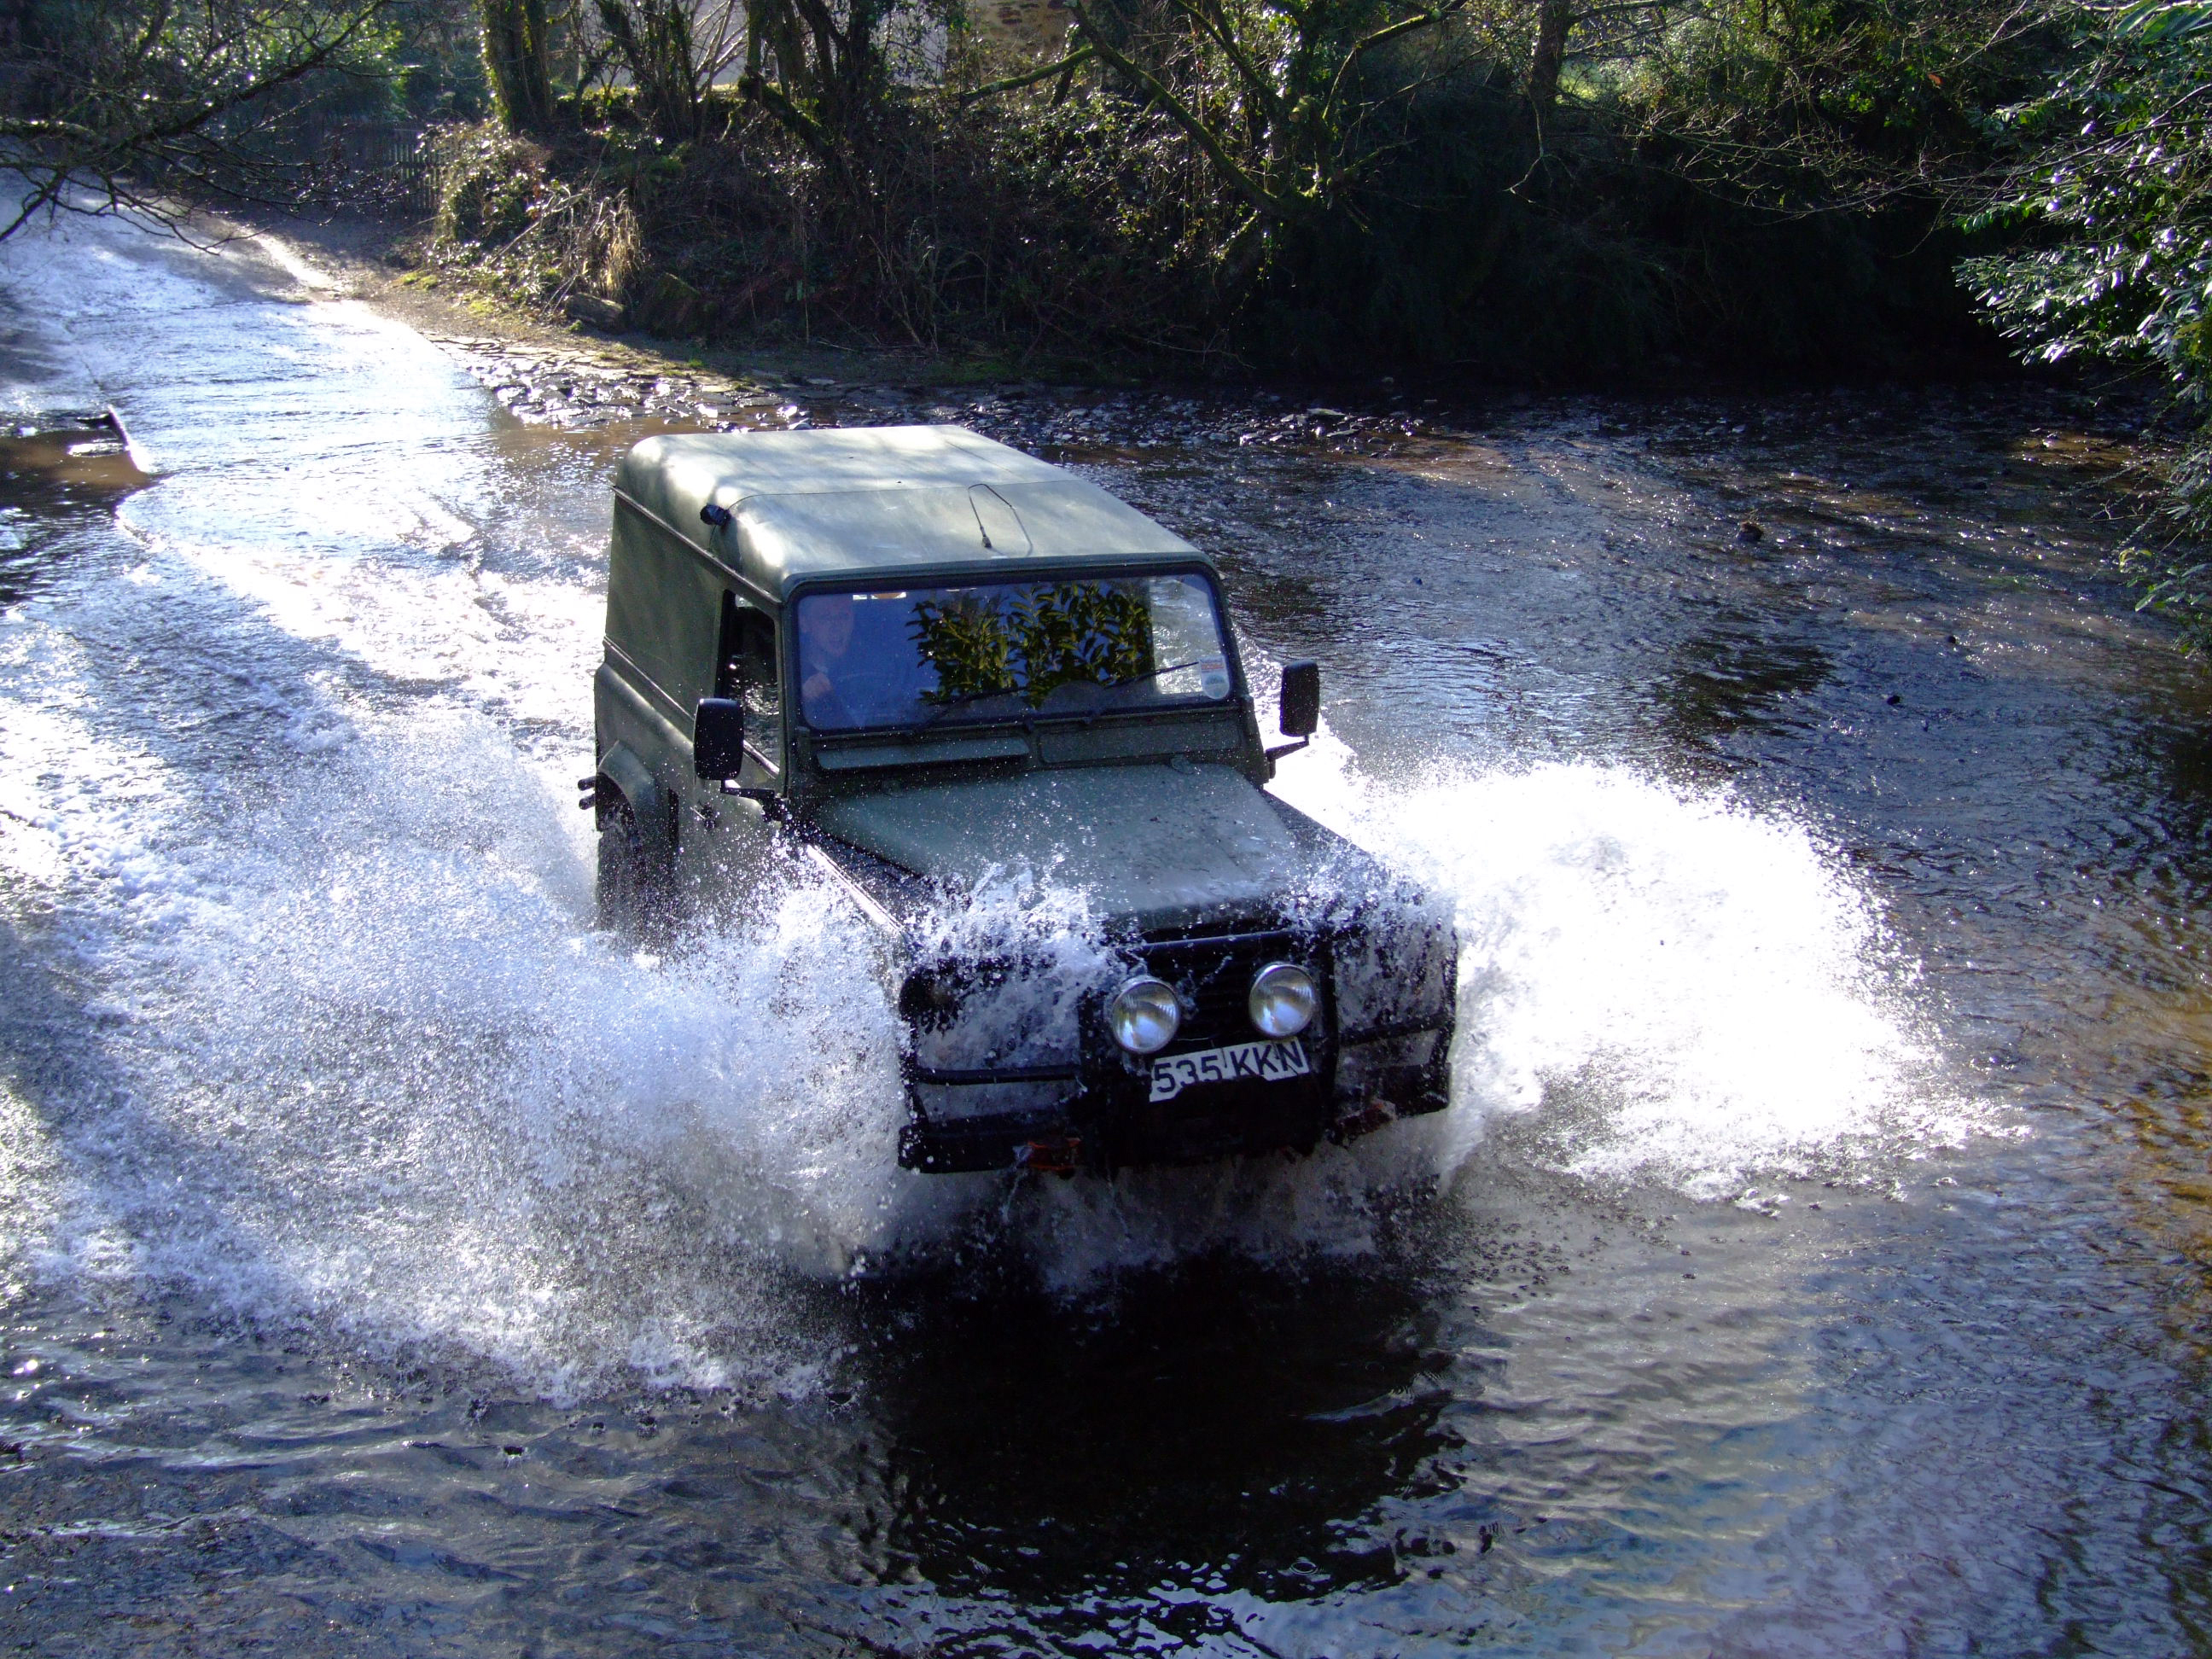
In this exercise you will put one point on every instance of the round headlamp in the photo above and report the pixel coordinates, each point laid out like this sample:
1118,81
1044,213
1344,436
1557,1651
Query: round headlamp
1283,1000
1145,1014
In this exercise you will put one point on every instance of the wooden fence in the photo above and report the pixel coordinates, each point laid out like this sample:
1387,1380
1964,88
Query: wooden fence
380,165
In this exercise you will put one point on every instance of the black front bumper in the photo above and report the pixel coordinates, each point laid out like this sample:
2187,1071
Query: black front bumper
1108,1123
1096,1114
1115,1126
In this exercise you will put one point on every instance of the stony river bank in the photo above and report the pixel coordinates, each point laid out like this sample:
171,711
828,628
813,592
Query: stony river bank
2110,446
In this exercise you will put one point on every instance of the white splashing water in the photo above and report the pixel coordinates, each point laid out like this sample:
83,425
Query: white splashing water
375,1074
1695,988
335,1044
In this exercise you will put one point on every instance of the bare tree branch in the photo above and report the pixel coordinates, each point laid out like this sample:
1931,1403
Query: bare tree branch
142,99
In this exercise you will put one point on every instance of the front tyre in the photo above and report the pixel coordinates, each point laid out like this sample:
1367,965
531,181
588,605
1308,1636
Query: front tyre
633,882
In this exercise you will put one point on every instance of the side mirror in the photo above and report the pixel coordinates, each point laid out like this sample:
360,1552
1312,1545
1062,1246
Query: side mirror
718,738
1301,715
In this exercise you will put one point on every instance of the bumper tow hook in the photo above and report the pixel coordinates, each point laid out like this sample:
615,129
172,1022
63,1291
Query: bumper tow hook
1376,1114
1058,1158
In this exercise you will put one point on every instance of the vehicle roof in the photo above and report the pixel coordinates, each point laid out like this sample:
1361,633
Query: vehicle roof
859,501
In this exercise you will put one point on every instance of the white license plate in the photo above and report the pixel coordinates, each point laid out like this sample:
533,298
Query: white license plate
1263,1061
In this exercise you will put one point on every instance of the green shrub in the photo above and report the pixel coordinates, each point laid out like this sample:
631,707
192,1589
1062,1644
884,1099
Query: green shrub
2108,214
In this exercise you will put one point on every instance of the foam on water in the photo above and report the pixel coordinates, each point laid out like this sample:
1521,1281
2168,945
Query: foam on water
369,1070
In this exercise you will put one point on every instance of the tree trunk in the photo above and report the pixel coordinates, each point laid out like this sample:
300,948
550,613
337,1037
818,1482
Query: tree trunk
1554,21
654,40
518,58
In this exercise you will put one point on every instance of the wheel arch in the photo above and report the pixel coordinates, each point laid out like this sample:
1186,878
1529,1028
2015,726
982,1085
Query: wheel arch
634,786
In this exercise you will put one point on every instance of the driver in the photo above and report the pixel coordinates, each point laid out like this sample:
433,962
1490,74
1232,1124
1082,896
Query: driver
825,628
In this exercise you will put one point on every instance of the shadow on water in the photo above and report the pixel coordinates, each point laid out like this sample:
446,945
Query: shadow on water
1221,1427
50,1057
1736,678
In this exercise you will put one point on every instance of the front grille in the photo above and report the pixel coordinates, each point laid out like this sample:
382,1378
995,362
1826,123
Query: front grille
1215,978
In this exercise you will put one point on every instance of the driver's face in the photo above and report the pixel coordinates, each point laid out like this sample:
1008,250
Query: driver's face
827,622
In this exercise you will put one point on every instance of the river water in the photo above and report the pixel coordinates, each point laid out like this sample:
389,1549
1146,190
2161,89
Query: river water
1812,1261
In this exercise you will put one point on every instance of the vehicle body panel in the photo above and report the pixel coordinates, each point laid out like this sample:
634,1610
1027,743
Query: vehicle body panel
1154,845
877,500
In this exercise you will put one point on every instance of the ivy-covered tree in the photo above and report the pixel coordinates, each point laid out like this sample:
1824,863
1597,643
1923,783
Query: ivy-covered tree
517,54
1275,94
818,69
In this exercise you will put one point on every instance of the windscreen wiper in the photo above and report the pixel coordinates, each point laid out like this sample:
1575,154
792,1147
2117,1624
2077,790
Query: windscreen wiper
961,700
1154,673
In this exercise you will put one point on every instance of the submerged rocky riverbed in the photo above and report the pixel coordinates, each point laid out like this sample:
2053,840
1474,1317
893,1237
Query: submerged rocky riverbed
577,388
1812,1260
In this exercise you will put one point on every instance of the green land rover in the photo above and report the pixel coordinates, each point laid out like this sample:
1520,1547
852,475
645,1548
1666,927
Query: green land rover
917,658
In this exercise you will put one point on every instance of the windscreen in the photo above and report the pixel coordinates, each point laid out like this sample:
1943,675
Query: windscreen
923,656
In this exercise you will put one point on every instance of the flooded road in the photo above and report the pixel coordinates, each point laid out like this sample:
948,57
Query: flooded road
1812,1262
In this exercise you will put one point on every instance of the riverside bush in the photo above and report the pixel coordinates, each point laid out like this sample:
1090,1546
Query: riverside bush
2109,211
1330,185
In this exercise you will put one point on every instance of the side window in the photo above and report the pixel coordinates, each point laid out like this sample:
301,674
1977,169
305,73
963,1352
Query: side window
745,669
